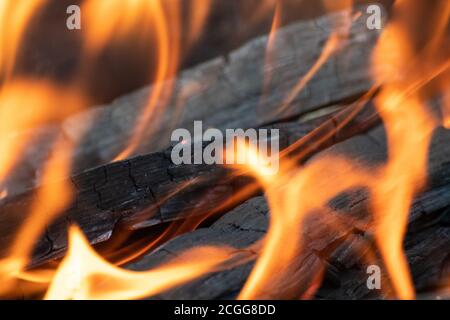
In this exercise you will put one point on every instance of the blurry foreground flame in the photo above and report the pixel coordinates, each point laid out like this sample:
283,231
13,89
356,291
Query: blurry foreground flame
156,22
25,104
83,274
51,199
14,17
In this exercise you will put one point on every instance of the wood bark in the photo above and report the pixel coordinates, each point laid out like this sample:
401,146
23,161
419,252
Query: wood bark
150,189
227,93
343,253
243,89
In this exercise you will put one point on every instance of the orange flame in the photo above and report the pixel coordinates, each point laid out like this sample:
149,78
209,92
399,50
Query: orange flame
292,194
42,103
330,47
409,127
51,199
83,274
14,17
161,22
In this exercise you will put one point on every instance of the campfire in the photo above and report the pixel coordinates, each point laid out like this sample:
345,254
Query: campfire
209,149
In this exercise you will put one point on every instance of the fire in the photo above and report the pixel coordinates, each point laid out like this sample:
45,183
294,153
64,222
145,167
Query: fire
159,22
446,112
41,104
51,199
293,192
409,127
14,17
270,50
83,274
330,47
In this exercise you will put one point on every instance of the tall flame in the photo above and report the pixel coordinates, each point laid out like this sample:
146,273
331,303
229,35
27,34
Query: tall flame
52,198
293,193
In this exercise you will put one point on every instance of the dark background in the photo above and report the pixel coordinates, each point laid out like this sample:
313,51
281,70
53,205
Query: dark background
51,51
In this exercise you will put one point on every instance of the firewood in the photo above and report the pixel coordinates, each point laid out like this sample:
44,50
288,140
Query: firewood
140,192
344,250
230,91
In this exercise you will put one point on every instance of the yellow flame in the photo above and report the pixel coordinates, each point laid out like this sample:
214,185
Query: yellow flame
83,274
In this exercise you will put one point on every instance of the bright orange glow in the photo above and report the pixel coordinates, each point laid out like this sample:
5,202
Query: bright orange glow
292,194
14,17
83,274
3,194
123,18
293,191
43,102
446,111
159,22
404,176
51,199
409,127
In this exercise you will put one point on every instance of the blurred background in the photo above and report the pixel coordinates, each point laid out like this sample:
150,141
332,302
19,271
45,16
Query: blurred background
50,50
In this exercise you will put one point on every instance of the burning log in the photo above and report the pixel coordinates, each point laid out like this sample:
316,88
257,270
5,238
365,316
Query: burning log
229,92
337,235
150,189
226,92
339,242
121,191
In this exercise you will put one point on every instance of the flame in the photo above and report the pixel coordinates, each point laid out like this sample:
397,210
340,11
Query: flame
14,17
159,22
292,194
51,199
41,104
335,40
329,49
83,274
270,49
446,111
409,126
198,14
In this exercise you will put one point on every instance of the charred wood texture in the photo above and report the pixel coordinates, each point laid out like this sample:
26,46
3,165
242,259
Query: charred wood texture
150,189
343,252
226,92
